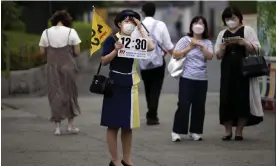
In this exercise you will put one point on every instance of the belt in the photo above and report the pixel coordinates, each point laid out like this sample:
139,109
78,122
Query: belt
114,71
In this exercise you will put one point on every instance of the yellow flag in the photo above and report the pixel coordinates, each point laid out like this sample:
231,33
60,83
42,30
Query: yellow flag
100,31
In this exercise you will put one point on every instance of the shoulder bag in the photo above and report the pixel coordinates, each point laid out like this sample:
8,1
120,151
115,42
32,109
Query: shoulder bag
176,66
101,84
254,66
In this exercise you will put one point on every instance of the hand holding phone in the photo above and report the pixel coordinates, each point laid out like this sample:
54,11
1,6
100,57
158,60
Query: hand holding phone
231,40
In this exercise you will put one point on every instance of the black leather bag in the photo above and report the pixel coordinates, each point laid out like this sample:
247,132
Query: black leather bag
101,84
254,66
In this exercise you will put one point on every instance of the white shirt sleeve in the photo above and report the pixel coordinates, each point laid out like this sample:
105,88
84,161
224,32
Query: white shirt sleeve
74,38
182,43
251,37
166,39
43,40
219,41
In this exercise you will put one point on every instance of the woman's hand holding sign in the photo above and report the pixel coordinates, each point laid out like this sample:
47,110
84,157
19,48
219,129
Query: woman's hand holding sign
118,45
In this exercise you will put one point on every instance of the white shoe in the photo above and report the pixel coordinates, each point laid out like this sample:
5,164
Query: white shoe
195,137
175,137
73,130
57,132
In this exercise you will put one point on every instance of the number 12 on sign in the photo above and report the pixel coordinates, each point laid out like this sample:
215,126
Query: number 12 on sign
133,48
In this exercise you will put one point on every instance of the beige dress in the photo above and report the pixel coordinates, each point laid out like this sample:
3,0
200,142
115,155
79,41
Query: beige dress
61,75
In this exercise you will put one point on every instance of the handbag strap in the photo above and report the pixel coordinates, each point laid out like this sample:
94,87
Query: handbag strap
153,37
100,65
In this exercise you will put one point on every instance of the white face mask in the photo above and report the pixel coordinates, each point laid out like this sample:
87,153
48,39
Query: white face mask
198,29
128,28
232,24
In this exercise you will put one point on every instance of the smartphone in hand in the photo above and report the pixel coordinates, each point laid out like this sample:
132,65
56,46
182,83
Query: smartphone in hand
228,40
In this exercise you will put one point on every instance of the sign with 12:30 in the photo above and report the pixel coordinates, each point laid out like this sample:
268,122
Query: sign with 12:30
133,47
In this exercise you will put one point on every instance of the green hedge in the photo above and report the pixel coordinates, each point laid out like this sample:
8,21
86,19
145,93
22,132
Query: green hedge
24,49
84,31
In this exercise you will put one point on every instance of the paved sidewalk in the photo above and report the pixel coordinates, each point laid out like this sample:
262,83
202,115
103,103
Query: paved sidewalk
27,138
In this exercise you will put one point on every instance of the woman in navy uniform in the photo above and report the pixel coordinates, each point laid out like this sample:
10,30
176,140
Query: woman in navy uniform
121,110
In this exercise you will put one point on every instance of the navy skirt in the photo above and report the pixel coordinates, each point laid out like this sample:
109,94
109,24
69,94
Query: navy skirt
121,110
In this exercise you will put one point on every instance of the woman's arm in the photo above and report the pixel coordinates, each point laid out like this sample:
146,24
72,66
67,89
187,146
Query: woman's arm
182,47
219,46
77,50
151,45
43,43
42,51
251,41
207,51
75,41
109,57
221,52
181,53
110,50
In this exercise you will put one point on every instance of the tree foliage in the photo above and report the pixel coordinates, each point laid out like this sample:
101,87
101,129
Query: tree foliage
10,21
267,26
11,13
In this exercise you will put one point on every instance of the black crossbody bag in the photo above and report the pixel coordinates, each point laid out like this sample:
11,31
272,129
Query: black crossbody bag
101,84
254,66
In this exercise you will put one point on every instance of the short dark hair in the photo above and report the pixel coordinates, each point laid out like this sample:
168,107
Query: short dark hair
149,9
61,16
229,12
205,32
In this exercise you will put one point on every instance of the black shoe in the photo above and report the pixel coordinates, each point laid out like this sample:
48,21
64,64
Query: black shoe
238,138
227,137
111,163
152,122
124,163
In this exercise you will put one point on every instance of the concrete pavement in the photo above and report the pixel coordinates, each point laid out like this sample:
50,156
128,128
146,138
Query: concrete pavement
27,138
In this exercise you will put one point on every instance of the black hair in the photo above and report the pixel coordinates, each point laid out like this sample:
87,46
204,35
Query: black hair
61,16
124,14
205,32
229,12
149,9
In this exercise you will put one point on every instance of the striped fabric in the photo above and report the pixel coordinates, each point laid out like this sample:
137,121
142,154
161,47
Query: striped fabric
267,83
195,65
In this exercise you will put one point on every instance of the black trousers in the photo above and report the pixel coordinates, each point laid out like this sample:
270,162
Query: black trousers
191,96
153,81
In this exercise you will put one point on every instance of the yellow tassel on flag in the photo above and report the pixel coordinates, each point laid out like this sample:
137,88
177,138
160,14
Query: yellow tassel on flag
100,31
